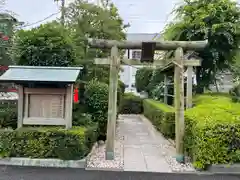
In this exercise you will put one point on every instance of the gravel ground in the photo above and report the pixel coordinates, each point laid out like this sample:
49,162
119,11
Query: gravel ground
96,159
169,152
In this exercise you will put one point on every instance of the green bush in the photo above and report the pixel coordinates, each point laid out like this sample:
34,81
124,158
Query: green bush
47,142
157,78
131,104
161,115
143,77
121,86
96,99
208,98
212,131
235,93
101,118
8,116
96,96
120,94
80,117
98,72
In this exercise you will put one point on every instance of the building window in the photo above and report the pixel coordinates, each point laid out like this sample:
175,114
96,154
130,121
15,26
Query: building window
136,54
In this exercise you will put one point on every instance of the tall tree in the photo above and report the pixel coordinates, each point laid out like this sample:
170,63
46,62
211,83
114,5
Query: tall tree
46,45
87,20
52,44
215,20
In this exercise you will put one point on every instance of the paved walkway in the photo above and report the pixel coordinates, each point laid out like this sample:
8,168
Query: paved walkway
143,146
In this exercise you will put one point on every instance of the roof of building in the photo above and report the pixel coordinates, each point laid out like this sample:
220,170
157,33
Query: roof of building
40,74
191,54
7,16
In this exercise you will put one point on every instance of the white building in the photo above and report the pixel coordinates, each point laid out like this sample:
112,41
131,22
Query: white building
127,75
224,83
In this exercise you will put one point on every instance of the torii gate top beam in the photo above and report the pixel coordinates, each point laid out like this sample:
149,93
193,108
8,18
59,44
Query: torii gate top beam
160,45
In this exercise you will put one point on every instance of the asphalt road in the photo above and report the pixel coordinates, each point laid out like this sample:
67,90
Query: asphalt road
36,173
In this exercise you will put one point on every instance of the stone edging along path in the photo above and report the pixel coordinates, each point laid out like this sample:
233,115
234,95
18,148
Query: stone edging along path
43,162
18,161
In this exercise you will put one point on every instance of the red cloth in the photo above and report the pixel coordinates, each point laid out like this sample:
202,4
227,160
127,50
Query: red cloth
5,38
76,98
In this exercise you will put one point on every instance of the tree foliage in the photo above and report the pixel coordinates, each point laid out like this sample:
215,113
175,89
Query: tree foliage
156,79
7,26
52,44
143,77
215,20
46,45
86,20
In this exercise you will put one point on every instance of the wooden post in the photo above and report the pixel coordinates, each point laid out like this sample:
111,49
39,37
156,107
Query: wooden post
189,86
165,88
179,103
68,108
20,106
112,103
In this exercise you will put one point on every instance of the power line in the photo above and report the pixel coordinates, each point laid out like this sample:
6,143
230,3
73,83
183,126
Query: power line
40,21
146,20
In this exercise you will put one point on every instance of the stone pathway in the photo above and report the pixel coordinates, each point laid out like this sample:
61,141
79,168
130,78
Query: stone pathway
138,147
142,151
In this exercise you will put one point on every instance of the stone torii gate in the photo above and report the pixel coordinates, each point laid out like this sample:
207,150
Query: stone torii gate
148,50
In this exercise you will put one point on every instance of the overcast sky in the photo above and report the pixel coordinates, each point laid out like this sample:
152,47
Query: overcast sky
144,15
147,16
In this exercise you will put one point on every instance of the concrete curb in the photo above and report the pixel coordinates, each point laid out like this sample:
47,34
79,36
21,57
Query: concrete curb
103,169
224,168
43,162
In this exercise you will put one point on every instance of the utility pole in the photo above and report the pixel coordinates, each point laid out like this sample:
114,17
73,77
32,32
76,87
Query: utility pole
98,2
62,10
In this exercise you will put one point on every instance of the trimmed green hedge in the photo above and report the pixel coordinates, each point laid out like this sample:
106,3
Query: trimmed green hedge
212,128
212,131
161,115
131,104
208,98
48,142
